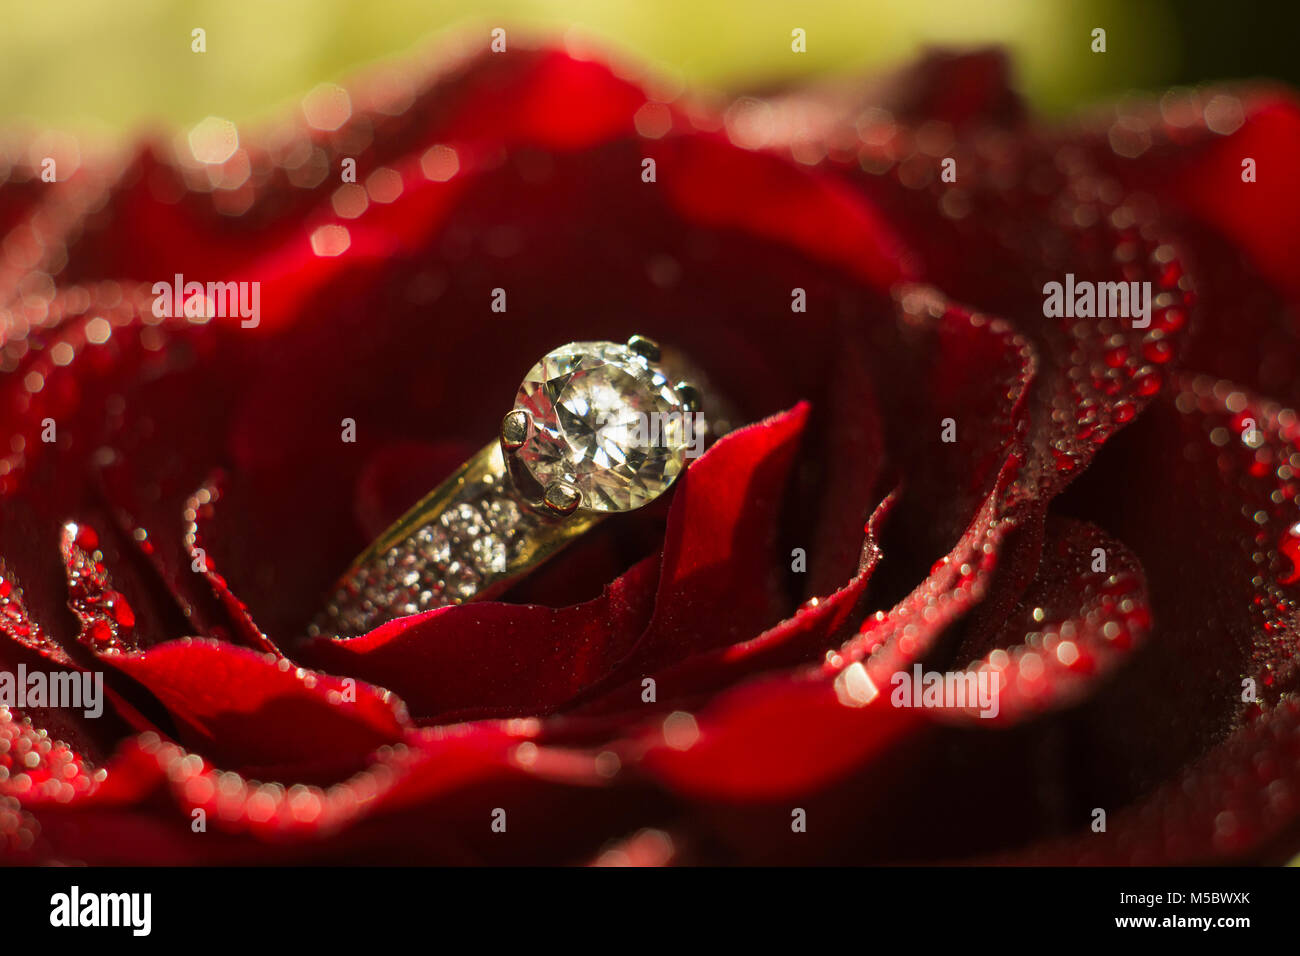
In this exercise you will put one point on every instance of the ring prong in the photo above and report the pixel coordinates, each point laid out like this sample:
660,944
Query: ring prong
514,429
562,498
689,395
647,348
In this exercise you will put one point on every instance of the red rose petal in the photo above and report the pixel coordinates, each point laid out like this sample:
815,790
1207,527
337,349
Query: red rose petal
1236,804
489,659
1185,493
485,658
816,626
254,713
1073,625
1207,512
1240,235
167,217
432,797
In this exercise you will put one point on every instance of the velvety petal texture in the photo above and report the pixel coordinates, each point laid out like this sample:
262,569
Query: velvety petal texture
921,469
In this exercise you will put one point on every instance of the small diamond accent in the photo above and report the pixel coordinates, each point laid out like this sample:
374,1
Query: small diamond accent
447,562
433,545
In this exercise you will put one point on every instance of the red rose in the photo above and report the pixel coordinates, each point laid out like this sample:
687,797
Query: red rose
1096,511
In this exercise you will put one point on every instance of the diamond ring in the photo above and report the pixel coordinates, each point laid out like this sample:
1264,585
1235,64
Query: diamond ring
597,428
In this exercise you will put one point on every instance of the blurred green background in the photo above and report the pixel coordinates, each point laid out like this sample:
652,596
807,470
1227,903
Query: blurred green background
118,67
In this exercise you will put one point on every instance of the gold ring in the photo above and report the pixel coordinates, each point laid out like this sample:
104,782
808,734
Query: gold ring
597,428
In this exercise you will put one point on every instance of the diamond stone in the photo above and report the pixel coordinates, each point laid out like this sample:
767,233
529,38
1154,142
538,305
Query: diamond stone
607,421
433,545
464,521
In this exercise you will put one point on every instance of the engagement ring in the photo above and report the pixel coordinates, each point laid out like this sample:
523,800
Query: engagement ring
597,428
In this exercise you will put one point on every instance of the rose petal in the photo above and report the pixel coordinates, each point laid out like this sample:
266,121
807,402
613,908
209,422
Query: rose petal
254,713
485,658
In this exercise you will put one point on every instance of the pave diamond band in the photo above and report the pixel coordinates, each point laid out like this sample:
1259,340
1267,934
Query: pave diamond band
470,538
597,428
